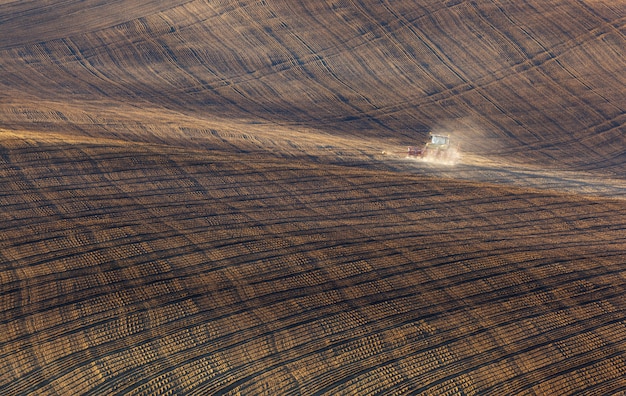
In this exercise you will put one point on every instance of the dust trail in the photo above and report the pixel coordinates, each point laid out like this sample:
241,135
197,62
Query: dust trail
472,167
481,156
469,136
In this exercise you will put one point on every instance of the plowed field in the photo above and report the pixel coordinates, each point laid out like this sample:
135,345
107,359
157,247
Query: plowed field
212,197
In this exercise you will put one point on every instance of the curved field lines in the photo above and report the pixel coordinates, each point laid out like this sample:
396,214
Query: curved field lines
143,268
212,197
540,76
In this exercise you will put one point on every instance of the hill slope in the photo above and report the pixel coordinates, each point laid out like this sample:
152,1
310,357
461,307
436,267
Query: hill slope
194,198
545,78
140,269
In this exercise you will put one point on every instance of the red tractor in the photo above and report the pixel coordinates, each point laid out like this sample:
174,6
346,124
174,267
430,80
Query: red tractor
438,148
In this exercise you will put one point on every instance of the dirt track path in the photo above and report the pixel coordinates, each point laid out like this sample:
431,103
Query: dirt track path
480,170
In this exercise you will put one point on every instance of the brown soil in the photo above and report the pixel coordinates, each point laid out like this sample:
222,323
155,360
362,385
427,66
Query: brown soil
211,197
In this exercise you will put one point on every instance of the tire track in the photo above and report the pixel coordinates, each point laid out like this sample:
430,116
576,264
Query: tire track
339,254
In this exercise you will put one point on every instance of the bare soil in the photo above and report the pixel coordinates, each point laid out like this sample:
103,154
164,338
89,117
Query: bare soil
213,197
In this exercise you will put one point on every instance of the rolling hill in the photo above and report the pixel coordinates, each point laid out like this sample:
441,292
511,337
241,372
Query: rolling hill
211,197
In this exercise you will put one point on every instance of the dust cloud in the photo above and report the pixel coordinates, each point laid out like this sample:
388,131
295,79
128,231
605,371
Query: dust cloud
469,137
469,143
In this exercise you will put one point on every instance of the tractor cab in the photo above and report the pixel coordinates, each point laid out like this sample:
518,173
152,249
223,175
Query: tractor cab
439,141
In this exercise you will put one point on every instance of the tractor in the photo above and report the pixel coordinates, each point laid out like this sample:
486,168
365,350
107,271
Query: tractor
437,148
